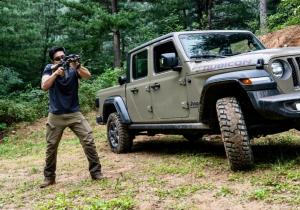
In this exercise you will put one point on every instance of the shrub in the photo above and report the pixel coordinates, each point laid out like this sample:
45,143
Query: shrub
3,126
27,106
38,100
32,103
89,88
11,112
9,81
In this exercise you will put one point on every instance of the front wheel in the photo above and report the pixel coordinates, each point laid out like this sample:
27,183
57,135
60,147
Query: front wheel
118,135
234,134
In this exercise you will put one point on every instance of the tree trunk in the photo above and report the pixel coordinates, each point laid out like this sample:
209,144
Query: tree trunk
185,19
263,16
116,37
45,49
117,48
200,10
105,4
209,13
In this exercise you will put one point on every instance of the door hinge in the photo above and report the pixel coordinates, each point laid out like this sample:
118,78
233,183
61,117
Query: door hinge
182,81
185,105
147,88
149,108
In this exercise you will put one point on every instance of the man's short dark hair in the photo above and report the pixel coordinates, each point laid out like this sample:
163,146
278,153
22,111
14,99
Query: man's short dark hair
53,50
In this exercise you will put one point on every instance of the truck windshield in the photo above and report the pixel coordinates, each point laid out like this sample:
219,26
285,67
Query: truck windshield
218,45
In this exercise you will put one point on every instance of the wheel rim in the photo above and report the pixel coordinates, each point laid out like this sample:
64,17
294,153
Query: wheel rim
113,135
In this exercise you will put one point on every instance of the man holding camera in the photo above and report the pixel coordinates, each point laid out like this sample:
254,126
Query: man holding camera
62,82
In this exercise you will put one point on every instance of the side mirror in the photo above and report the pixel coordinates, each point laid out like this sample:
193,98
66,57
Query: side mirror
122,80
169,61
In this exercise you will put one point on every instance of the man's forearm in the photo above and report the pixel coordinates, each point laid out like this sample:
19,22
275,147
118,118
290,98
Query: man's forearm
47,81
84,72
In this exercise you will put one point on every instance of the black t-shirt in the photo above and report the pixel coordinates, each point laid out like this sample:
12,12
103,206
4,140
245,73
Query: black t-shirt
63,94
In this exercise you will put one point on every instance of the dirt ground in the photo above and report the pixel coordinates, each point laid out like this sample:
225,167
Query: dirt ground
289,37
162,172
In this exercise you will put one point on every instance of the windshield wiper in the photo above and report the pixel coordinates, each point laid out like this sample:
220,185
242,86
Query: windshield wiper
208,56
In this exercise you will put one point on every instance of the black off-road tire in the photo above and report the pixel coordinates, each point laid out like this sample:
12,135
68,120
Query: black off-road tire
192,137
234,134
118,135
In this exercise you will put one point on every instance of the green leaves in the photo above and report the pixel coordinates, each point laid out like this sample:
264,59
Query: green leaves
10,81
288,13
88,89
23,36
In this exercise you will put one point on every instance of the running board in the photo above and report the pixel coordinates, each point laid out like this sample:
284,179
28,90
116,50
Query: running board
169,126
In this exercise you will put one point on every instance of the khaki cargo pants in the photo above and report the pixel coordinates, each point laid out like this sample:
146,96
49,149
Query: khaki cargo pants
79,125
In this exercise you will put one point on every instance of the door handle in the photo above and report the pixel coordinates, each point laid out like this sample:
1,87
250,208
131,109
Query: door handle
155,86
134,90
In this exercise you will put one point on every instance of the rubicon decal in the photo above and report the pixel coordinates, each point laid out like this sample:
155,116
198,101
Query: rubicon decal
221,65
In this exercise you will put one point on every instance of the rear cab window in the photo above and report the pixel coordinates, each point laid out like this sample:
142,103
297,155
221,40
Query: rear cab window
140,65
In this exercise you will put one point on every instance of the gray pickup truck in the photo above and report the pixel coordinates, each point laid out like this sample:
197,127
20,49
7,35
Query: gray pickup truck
204,82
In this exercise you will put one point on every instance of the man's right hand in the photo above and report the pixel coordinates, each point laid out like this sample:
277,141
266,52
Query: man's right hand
48,80
59,71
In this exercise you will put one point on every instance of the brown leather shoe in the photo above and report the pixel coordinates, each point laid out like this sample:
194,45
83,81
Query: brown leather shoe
47,182
97,176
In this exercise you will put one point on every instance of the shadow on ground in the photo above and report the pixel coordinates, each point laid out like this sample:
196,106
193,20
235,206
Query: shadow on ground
263,154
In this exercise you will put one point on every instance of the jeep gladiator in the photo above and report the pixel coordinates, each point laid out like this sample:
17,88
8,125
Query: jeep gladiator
193,83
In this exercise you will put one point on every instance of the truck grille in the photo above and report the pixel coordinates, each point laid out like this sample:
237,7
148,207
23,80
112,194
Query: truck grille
295,65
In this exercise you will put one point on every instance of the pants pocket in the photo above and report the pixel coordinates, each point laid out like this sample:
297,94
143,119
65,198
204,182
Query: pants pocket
86,125
50,126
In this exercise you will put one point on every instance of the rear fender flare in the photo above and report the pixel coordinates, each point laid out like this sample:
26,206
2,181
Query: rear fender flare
116,103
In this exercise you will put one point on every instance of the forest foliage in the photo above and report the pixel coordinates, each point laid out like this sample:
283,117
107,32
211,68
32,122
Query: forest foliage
88,27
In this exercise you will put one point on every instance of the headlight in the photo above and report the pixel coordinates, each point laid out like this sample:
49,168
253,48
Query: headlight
277,69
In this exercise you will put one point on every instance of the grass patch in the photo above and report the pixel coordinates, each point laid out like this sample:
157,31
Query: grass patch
34,170
236,177
22,145
61,201
11,150
182,191
279,184
184,164
259,194
180,165
122,203
80,199
224,191
26,186
153,180
165,168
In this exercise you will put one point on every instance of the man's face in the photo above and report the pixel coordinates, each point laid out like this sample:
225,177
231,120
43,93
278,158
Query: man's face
58,56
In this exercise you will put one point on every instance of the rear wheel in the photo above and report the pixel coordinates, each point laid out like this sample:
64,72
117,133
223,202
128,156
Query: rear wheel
118,135
234,134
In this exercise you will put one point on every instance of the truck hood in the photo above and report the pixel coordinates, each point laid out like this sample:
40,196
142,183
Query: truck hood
245,59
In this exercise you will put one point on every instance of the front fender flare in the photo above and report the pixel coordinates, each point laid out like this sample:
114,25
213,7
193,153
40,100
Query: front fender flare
229,84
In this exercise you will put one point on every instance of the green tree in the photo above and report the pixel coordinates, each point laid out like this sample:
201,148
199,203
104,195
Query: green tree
235,14
24,36
287,13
